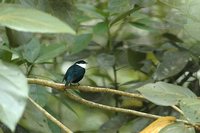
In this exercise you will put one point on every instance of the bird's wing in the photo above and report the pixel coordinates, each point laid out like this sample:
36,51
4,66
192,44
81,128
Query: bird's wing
71,74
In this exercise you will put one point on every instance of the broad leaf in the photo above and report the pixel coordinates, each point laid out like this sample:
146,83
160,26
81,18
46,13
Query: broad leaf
38,94
171,64
34,120
135,125
31,50
135,58
114,124
119,6
31,20
50,52
191,109
178,128
100,33
105,60
190,10
5,55
165,94
81,42
14,92
90,11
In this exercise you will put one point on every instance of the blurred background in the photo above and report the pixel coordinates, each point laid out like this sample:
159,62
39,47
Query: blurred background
127,44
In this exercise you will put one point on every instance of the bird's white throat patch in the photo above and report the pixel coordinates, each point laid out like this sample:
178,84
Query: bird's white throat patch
81,65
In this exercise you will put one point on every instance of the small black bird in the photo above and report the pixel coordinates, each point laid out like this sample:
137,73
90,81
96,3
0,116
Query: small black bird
75,72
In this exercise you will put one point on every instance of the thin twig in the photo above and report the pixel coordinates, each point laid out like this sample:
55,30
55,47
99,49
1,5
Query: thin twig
177,109
53,119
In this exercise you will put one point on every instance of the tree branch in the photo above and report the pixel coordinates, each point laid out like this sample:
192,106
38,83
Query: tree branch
109,108
53,119
116,109
62,87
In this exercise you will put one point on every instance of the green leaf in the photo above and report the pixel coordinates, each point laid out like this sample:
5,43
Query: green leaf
14,92
189,9
105,60
119,6
90,11
191,109
5,55
50,52
31,50
81,42
135,58
54,128
18,38
171,64
177,128
123,15
38,94
135,125
145,3
165,94
31,20
100,33
113,124
34,120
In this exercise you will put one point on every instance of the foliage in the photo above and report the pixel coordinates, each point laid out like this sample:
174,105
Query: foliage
137,46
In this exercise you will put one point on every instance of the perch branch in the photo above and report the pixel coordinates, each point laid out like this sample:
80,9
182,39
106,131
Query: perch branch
62,87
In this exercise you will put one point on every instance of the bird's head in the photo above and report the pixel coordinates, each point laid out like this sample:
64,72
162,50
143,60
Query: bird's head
81,63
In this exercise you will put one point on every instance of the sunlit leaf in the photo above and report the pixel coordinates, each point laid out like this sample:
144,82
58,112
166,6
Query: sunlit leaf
14,92
165,94
31,20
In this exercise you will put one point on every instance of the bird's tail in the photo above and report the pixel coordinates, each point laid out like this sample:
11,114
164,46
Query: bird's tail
66,81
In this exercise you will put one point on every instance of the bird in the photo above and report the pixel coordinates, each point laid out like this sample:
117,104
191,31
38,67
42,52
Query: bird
75,73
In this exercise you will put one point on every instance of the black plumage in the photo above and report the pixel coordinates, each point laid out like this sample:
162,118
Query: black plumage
74,73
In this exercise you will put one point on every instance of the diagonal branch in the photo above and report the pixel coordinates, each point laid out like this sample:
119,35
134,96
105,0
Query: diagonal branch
53,119
116,109
109,108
